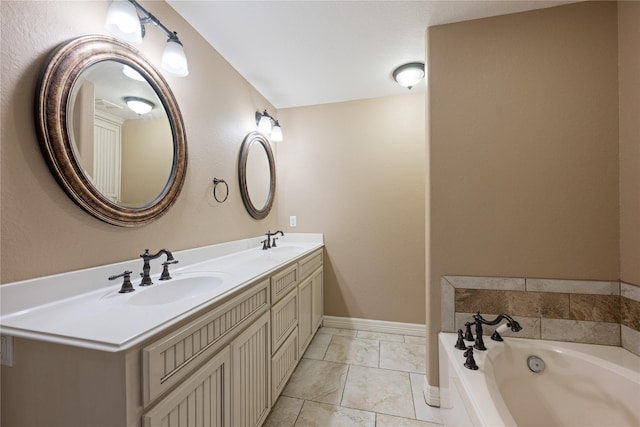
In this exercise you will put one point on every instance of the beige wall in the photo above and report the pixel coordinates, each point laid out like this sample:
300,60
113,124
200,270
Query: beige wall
355,171
43,231
629,78
524,148
147,159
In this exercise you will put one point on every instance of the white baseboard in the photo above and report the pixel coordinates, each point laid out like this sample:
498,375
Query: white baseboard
431,394
383,326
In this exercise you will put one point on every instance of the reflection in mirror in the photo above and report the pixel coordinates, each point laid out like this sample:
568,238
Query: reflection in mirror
126,155
257,174
122,164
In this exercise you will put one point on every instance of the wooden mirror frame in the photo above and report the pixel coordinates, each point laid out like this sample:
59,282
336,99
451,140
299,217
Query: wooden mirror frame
251,138
52,99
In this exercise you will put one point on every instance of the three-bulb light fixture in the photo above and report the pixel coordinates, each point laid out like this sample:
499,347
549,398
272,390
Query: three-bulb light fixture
269,126
124,23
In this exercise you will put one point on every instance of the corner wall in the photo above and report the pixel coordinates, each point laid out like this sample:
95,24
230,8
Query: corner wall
524,149
43,232
629,79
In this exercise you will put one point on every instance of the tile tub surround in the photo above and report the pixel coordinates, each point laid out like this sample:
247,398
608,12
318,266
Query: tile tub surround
357,378
596,312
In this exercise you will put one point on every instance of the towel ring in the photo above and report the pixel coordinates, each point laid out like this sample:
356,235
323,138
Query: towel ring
217,181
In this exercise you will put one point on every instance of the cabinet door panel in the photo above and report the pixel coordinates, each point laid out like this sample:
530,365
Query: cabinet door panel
251,379
304,316
317,309
201,401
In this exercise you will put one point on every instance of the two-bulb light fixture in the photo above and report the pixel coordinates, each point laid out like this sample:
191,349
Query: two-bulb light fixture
409,75
269,126
124,23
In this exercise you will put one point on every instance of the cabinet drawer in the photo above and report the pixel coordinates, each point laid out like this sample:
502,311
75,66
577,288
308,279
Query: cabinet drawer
284,318
170,359
283,282
308,264
203,399
283,364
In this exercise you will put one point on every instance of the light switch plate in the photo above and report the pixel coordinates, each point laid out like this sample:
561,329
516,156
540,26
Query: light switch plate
293,221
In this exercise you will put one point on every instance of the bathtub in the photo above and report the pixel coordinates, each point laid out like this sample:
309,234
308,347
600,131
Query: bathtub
581,385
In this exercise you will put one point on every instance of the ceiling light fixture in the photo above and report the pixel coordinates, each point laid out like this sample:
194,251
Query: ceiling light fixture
408,75
269,126
124,23
139,105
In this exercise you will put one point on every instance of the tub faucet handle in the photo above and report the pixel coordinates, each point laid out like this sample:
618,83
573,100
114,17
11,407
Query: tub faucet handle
460,345
468,335
470,362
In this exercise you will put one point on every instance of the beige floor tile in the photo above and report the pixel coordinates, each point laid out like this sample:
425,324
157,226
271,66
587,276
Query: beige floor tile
378,390
383,420
415,340
356,351
317,380
403,357
284,413
380,336
424,412
335,331
323,415
318,347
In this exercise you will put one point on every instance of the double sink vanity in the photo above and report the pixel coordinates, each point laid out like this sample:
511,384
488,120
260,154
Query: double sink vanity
212,346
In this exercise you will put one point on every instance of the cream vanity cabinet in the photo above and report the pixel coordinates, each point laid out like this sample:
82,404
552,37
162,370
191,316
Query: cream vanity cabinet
232,387
296,314
224,366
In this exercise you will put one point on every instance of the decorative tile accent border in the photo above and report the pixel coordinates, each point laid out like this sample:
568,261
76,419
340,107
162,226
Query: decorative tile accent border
596,312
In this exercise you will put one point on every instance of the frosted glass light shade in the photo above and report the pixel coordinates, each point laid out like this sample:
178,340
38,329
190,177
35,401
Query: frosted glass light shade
408,75
123,22
131,73
139,105
264,125
276,133
174,60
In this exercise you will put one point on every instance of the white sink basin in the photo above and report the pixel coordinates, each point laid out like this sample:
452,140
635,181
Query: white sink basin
181,287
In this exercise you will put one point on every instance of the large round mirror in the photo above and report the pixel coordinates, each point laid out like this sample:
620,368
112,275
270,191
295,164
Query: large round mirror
111,130
257,174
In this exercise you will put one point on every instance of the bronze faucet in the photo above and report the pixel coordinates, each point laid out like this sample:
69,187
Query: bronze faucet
146,267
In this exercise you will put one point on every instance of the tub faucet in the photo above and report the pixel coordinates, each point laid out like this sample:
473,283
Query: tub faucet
479,321
146,267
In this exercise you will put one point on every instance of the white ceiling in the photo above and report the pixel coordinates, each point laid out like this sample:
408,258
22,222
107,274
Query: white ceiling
298,53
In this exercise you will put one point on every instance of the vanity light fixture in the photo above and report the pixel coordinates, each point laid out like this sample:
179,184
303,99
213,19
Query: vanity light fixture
269,126
408,75
124,23
139,105
131,73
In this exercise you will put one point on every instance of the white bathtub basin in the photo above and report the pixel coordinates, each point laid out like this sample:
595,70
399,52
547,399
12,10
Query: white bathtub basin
581,385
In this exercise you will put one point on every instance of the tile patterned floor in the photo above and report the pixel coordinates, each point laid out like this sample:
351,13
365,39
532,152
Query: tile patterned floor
355,378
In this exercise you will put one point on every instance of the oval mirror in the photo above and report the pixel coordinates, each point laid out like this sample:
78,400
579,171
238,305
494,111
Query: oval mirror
111,131
257,174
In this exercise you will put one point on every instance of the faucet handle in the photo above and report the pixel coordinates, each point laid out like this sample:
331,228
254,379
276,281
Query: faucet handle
273,242
165,269
264,244
126,282
470,362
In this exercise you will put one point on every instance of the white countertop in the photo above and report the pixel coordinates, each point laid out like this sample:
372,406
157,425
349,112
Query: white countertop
83,308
